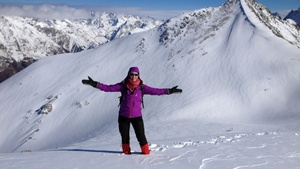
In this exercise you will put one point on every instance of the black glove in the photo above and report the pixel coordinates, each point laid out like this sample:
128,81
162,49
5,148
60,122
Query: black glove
175,90
90,82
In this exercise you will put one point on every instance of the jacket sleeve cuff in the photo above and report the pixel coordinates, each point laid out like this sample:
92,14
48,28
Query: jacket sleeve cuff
98,85
168,91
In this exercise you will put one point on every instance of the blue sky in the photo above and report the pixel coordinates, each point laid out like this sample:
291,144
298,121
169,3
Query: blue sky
160,9
162,4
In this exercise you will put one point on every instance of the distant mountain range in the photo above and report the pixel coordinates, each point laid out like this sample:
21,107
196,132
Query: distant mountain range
294,15
287,14
25,40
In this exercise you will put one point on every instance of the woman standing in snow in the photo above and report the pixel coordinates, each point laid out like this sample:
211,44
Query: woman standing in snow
132,89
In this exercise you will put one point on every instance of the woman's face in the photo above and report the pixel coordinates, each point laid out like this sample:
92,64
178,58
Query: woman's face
133,76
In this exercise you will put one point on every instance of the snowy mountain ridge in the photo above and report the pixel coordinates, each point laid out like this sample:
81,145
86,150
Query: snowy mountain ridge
240,98
286,29
209,20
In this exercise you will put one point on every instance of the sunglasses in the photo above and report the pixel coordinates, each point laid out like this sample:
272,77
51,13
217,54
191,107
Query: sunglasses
133,74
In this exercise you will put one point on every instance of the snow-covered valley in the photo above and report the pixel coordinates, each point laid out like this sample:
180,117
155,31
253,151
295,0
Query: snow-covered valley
239,107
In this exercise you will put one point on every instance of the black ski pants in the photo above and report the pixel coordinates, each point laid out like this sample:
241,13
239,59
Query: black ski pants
138,126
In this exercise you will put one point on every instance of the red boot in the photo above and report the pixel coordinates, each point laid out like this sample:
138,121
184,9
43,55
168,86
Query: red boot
126,149
145,149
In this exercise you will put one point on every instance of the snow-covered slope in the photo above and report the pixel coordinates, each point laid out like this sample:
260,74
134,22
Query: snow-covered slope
239,106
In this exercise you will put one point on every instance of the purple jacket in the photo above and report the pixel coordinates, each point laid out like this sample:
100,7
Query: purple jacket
131,105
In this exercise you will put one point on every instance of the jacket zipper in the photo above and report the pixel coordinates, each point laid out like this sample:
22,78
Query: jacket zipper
131,105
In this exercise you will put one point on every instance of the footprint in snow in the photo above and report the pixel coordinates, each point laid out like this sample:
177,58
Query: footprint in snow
156,147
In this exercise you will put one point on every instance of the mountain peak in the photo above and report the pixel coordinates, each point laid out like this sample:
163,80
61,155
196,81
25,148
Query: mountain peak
208,20
204,23
281,28
294,15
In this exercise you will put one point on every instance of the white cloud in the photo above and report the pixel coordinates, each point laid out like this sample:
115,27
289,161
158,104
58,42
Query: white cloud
44,11
158,14
56,11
